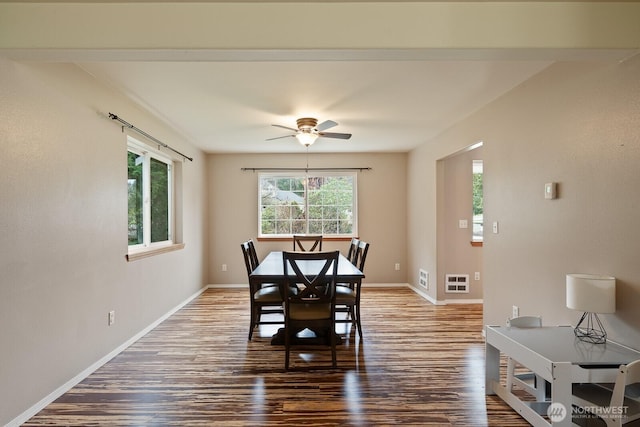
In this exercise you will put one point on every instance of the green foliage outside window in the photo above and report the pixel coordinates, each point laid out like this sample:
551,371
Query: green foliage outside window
159,201
313,204
478,201
134,184
478,198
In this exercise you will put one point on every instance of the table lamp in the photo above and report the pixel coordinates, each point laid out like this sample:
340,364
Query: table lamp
591,294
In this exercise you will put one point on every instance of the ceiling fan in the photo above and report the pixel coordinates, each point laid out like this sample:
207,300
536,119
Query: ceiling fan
309,130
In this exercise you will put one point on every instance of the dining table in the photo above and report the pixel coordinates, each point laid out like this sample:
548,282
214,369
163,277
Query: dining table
271,270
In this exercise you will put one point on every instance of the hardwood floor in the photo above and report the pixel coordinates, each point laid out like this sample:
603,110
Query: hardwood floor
419,364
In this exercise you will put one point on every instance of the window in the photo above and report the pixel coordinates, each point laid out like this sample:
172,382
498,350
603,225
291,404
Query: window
478,201
150,194
321,203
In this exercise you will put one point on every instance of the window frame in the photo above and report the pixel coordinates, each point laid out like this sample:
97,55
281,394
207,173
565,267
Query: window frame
306,175
140,148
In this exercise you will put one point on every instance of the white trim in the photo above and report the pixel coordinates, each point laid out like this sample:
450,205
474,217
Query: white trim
429,298
463,301
153,250
33,410
425,295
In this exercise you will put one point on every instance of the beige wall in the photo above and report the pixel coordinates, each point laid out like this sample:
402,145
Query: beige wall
63,223
233,204
575,124
455,253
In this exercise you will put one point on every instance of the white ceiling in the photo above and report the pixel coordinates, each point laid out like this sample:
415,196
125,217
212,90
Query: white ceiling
388,105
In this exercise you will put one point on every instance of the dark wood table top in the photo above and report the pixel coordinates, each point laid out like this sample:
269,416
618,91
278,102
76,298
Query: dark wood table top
271,269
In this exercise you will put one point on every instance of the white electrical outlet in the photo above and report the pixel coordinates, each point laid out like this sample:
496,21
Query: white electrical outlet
112,317
397,266
224,267
476,276
515,311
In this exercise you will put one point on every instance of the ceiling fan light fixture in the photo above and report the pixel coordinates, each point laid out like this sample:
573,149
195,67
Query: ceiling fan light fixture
306,138
309,130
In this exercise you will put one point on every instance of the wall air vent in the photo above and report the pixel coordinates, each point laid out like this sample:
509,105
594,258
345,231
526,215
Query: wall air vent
423,279
457,283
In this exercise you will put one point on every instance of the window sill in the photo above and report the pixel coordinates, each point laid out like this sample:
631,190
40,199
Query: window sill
289,239
476,244
145,253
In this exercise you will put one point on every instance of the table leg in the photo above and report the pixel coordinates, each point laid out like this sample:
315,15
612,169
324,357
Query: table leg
317,338
561,398
492,368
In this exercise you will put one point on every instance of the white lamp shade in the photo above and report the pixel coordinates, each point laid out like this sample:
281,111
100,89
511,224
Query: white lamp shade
306,138
591,293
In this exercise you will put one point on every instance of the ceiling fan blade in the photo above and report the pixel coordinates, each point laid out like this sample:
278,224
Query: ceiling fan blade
334,135
327,124
285,127
279,137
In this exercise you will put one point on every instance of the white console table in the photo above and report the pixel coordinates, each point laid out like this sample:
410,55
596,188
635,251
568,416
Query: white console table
555,354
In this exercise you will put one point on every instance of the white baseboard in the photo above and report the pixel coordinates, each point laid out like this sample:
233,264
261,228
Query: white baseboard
425,295
433,301
33,410
463,301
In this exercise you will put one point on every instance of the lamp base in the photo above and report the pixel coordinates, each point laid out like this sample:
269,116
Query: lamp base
590,329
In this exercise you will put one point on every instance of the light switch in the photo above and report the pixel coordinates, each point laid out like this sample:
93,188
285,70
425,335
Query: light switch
550,190
495,227
463,223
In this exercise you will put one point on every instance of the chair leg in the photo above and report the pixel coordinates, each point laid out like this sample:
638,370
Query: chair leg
287,344
332,340
359,327
253,321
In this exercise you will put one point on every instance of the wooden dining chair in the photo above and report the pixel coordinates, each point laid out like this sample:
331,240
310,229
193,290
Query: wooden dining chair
253,255
348,294
353,250
314,306
263,298
307,243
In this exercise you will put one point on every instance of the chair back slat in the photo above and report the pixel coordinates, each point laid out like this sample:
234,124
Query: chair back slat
525,322
353,251
247,257
633,372
307,243
627,375
253,255
317,285
250,256
361,255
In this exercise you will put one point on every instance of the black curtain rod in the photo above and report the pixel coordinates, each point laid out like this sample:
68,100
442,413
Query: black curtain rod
143,133
304,169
